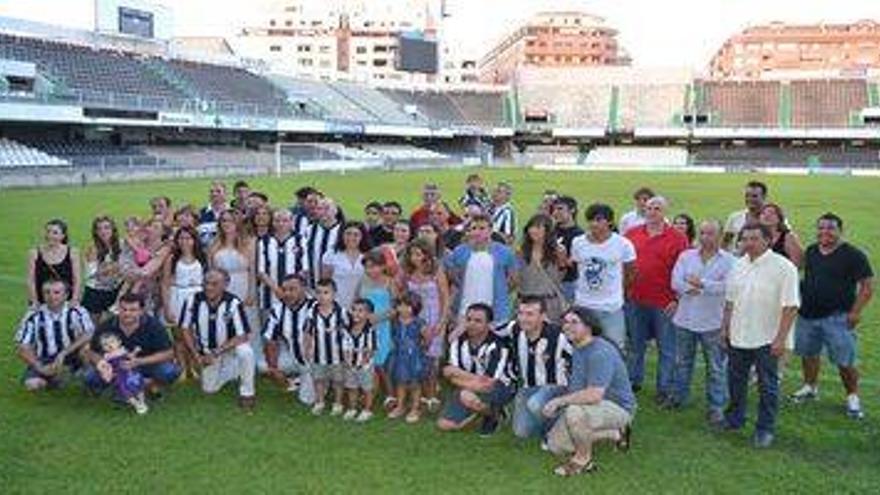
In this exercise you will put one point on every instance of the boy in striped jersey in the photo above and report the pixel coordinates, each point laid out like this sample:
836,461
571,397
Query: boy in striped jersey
325,324
358,346
50,336
541,355
215,329
479,371
278,255
284,333
503,216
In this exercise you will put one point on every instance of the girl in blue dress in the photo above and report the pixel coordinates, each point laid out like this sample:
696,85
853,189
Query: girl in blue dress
408,363
376,286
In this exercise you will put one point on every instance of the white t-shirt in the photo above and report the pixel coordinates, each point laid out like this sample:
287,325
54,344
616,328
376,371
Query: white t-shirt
346,274
599,284
630,220
478,280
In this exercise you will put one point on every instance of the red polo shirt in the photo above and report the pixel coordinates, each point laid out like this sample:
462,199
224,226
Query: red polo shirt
422,215
655,258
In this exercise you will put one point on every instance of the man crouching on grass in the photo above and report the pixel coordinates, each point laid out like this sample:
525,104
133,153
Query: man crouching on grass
480,373
215,329
599,404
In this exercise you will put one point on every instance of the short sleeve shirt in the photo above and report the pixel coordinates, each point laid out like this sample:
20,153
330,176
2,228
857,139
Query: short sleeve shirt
758,290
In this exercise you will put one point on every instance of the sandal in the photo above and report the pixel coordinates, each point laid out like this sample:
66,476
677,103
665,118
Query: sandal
572,468
625,441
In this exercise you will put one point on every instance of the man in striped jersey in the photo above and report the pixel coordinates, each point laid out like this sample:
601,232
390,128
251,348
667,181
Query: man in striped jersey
154,358
479,371
307,199
284,333
215,329
503,216
541,355
325,324
358,347
49,337
278,255
322,237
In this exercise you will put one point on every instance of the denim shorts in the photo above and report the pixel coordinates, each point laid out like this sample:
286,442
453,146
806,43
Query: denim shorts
497,397
833,332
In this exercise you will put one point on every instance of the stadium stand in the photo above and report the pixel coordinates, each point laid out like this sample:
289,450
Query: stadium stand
92,73
740,103
94,153
15,154
215,155
432,105
560,94
481,109
230,86
651,105
403,152
323,100
827,103
776,156
385,109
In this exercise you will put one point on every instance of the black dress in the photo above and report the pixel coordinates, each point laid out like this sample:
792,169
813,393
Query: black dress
43,272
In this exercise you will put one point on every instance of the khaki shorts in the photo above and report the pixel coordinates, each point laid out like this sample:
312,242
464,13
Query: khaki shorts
586,423
333,373
359,378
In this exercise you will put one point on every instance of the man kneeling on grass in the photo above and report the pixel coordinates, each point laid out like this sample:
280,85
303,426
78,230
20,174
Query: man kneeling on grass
480,373
50,336
599,404
216,330
152,354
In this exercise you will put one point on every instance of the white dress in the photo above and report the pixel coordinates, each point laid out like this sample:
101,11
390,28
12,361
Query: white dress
236,265
188,278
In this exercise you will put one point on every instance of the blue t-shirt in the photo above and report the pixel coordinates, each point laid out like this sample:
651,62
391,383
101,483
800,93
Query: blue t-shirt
600,364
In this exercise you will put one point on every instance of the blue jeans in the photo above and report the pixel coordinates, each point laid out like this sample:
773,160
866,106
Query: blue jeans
613,326
647,321
832,332
716,366
568,289
739,363
528,406
164,373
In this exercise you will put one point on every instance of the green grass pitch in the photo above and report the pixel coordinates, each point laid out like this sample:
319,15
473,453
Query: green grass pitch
66,443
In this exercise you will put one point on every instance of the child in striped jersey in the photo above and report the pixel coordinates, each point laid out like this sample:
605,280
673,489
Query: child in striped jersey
325,325
358,346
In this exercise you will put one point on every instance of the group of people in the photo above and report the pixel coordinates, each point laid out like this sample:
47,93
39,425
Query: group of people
547,326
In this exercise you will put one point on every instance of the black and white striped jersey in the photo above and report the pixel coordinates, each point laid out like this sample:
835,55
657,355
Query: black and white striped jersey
326,332
543,361
48,333
288,324
212,326
489,358
277,259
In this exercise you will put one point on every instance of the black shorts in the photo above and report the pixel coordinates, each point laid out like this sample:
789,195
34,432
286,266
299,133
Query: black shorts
98,301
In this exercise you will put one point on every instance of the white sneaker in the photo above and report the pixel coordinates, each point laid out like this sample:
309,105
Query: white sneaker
318,408
364,416
349,415
336,410
141,408
806,393
292,384
854,407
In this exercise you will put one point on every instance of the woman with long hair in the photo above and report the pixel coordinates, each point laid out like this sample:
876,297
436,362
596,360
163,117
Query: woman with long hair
783,240
540,273
103,273
182,276
55,259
